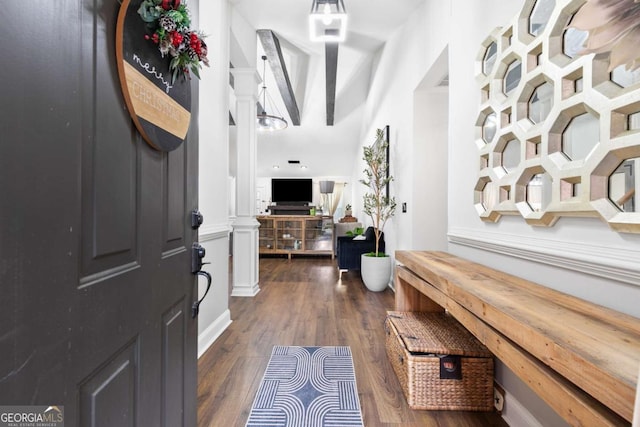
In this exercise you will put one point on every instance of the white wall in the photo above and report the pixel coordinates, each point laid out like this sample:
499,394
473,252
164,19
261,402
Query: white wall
428,213
242,53
213,190
403,62
242,41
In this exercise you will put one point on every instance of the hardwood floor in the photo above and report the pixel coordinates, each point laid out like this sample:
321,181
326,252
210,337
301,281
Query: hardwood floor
302,302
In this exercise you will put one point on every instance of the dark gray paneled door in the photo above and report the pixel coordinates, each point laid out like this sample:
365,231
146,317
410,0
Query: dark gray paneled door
96,285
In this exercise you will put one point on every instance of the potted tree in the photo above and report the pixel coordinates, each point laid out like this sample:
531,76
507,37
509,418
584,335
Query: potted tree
376,266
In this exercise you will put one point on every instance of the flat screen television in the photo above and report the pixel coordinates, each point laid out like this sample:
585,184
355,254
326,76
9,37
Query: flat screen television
296,191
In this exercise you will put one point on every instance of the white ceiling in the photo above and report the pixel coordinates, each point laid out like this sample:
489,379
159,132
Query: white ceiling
327,151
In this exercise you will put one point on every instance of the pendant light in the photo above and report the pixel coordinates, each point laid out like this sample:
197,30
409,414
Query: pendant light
327,21
326,196
268,122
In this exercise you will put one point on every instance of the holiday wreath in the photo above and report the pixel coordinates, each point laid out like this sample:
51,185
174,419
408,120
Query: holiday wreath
170,24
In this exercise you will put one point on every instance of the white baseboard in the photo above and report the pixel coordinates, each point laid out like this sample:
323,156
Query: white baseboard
213,331
516,415
246,291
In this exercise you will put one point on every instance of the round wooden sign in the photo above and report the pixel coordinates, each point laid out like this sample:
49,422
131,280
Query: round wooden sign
160,108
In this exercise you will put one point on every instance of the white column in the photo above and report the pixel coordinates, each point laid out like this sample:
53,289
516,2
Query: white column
245,227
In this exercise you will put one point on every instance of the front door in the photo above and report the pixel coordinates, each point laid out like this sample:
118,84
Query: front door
95,235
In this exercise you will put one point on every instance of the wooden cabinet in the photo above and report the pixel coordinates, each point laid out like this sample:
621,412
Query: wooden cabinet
266,234
296,234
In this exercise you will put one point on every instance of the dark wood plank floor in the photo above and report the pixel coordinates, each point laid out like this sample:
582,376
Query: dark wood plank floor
302,302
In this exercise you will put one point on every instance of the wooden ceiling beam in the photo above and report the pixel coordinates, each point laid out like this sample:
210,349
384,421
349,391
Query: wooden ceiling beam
271,46
331,70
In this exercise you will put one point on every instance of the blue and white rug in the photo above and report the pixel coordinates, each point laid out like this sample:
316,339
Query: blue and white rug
307,387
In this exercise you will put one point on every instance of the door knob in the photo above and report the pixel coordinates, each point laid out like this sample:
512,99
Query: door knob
196,219
197,253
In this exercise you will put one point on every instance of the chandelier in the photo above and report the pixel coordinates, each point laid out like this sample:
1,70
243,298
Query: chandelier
265,121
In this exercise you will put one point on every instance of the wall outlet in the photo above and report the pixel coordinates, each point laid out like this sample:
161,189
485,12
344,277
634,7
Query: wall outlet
498,397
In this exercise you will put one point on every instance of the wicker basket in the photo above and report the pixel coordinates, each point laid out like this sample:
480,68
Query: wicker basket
417,344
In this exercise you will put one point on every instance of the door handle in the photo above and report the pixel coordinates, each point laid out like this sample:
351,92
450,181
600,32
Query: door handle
197,253
195,307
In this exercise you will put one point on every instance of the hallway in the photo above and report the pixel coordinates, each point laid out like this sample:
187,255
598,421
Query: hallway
302,303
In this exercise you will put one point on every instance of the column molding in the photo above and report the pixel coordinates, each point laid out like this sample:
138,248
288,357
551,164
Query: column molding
245,226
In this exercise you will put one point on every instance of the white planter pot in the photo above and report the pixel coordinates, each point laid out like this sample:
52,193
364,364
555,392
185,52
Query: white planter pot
376,272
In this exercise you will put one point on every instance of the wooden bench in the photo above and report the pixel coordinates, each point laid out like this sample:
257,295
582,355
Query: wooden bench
580,358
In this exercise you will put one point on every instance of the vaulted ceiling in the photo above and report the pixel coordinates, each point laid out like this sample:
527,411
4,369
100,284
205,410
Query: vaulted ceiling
329,108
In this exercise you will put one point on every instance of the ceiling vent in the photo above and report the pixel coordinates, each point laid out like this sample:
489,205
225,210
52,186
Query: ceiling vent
294,162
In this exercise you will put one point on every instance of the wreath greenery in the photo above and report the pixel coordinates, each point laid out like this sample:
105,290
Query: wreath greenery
170,23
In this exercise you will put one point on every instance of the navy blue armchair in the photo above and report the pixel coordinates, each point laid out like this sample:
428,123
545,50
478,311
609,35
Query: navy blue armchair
349,250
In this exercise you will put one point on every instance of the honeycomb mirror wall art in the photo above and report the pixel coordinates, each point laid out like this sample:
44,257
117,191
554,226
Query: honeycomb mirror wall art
623,185
558,127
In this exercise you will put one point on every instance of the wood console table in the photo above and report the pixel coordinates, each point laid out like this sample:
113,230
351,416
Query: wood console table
296,234
580,358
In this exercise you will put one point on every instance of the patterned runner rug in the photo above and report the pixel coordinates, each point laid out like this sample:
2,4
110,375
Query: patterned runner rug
307,387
